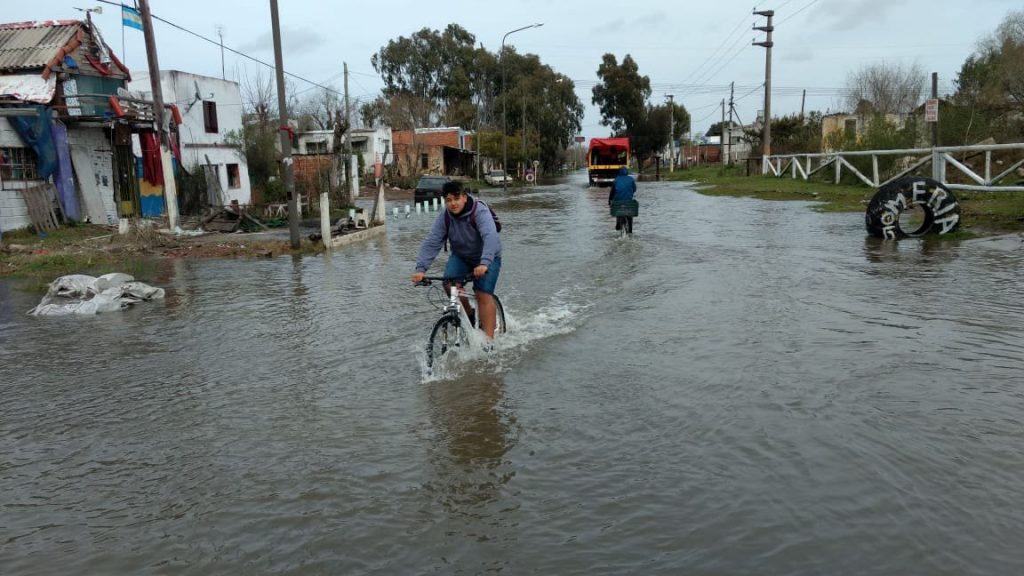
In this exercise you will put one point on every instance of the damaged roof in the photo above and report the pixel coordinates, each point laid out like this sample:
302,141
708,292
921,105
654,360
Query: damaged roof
34,45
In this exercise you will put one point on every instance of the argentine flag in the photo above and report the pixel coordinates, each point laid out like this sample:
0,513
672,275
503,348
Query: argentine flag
130,17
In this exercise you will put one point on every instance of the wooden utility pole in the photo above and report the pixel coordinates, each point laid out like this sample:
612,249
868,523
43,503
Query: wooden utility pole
287,170
803,100
766,138
348,144
170,187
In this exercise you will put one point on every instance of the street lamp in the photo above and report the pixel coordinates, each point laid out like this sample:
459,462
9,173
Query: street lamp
504,104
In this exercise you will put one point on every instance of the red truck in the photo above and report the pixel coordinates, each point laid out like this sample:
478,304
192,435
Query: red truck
605,157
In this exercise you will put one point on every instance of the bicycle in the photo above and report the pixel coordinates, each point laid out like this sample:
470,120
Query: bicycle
448,332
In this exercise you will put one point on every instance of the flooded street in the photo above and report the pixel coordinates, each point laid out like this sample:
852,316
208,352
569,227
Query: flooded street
743,387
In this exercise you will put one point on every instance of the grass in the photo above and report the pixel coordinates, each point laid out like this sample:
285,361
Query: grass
982,213
96,250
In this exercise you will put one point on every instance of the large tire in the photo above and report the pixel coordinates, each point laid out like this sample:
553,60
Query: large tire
939,205
447,334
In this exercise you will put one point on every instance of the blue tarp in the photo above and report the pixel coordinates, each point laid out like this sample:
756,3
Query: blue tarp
36,132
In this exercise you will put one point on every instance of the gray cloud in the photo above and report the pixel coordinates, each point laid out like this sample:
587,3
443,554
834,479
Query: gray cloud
635,27
292,40
852,14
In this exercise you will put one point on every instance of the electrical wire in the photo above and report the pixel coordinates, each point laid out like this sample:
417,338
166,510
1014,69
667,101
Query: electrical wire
229,49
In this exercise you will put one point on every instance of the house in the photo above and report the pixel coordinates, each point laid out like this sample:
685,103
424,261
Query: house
210,109
850,126
444,151
313,154
58,84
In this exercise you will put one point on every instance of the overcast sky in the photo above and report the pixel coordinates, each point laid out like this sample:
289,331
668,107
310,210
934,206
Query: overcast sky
692,50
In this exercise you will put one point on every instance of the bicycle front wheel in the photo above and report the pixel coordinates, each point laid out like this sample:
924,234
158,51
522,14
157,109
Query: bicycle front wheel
446,335
499,316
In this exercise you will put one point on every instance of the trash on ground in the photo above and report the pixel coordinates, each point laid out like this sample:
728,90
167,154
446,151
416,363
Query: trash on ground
84,295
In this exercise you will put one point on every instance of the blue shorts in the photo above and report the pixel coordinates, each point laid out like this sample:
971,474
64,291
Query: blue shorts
457,267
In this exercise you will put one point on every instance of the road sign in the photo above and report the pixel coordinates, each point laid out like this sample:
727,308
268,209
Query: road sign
931,110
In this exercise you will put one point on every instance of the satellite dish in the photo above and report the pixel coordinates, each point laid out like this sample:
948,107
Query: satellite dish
197,96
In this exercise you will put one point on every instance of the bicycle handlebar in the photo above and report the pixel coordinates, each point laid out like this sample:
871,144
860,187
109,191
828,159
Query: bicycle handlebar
427,280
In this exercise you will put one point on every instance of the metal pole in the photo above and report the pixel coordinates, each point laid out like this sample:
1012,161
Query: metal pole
766,138
935,96
170,189
671,133
287,170
348,144
504,103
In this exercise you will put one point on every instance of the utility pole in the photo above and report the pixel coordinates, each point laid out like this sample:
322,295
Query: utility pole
170,188
721,136
766,138
287,170
803,100
348,143
728,142
525,162
220,33
671,133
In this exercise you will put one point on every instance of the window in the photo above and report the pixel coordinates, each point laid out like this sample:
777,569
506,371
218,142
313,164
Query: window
210,116
424,161
234,178
316,147
18,164
850,127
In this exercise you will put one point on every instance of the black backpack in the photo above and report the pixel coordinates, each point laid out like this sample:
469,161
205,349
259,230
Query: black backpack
472,217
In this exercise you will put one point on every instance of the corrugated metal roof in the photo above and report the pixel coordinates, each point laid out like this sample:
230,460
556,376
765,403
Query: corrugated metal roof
33,44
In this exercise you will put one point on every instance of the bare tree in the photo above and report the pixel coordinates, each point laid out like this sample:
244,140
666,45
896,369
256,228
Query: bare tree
323,108
259,98
885,88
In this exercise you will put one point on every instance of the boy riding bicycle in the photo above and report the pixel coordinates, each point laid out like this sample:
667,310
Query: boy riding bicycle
467,225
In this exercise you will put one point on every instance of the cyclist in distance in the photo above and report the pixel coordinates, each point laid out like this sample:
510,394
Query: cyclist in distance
623,189
468,226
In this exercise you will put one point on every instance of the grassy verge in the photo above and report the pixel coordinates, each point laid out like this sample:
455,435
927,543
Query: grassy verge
95,250
982,213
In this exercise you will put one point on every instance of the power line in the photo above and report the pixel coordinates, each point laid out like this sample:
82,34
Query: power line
724,42
806,6
229,49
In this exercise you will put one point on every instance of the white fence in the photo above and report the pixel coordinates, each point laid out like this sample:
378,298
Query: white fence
941,158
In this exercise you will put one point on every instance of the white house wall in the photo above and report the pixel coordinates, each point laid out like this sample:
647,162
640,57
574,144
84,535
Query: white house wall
13,211
179,88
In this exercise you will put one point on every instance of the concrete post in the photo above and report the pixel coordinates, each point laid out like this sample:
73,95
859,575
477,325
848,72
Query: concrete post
325,219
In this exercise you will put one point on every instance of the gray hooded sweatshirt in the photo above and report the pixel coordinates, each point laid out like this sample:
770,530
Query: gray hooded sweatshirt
479,244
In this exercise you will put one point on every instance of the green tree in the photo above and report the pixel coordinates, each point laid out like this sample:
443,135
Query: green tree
435,67
990,86
622,94
435,79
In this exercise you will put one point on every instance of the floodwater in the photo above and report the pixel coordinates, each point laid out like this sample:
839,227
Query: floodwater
743,387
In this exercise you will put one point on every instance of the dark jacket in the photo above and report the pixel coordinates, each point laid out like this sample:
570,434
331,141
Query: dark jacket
623,187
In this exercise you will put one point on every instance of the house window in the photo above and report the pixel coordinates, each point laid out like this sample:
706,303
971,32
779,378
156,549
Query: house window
850,127
234,178
317,147
210,116
18,164
424,161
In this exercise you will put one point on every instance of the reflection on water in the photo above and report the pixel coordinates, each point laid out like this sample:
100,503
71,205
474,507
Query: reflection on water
473,428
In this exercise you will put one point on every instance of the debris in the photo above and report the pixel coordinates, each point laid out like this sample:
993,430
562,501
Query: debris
85,295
